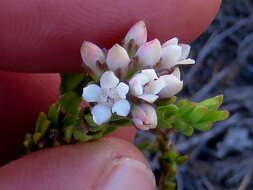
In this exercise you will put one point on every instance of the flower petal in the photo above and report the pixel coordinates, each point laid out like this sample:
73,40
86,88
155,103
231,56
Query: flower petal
176,73
170,56
109,80
150,73
174,85
101,114
185,51
122,90
173,41
92,93
149,53
136,84
117,58
186,62
138,33
121,108
150,98
91,53
155,86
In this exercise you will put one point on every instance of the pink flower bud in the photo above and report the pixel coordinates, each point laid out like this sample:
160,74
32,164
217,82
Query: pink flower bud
138,33
144,116
149,53
117,58
91,53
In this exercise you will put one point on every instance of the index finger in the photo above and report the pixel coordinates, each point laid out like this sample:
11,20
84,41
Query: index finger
45,36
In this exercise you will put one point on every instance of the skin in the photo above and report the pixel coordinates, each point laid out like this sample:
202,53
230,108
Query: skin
45,37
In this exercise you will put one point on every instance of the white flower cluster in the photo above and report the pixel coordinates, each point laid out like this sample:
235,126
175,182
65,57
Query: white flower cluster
157,76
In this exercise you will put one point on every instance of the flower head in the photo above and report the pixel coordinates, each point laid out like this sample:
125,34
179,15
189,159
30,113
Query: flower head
149,70
110,97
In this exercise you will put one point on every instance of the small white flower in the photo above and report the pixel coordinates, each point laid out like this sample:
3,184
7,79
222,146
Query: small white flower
144,116
91,53
174,54
110,97
138,33
147,86
149,53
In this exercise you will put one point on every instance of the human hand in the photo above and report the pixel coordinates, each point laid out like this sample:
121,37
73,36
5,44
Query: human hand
45,37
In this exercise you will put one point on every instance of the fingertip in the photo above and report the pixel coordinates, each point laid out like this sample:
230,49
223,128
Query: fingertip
96,165
46,36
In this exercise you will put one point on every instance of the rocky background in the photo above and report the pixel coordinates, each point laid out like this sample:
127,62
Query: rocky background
221,159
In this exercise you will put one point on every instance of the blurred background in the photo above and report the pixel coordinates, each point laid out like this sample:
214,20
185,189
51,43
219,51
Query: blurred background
222,158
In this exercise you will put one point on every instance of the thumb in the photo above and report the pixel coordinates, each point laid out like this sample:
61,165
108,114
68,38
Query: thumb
107,164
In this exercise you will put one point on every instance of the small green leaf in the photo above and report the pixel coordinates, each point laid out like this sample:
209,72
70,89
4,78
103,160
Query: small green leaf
68,132
205,126
89,120
121,122
182,159
185,107
42,123
213,103
70,103
197,114
167,110
28,143
37,137
53,114
183,127
214,116
71,81
79,135
164,124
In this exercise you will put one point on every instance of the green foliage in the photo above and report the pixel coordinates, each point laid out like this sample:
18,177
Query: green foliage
70,107
185,116
81,136
72,82
42,123
53,114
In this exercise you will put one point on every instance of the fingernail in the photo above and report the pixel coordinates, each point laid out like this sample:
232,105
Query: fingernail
127,174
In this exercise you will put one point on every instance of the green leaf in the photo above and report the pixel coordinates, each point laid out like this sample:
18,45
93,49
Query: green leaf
36,137
53,114
181,126
197,114
68,132
164,124
70,103
185,107
214,116
205,126
182,159
71,81
168,110
121,122
82,137
213,103
42,123
88,118
28,143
